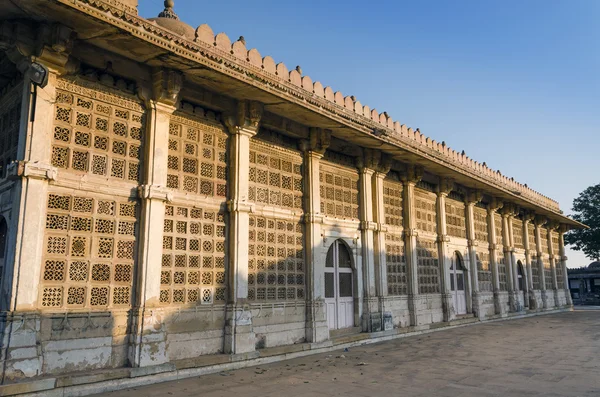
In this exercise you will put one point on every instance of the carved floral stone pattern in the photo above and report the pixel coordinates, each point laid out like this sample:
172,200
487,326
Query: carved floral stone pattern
275,176
455,218
394,243
502,276
339,191
276,269
426,211
97,133
518,233
90,252
392,202
484,272
194,258
428,267
535,273
480,224
197,160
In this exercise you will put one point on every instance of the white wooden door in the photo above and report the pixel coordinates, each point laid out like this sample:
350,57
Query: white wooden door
339,300
457,285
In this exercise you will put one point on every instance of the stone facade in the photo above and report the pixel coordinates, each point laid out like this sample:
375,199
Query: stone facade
169,199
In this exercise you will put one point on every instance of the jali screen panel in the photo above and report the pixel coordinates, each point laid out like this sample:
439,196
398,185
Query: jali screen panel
428,267
394,244
193,261
481,225
502,270
455,218
90,252
425,211
97,132
338,190
484,272
518,233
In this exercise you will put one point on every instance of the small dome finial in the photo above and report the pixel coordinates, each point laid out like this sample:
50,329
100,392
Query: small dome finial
168,11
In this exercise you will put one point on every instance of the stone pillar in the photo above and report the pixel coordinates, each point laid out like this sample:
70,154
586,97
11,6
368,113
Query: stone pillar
508,257
471,199
316,322
239,334
444,187
530,292
553,263
149,341
371,315
539,221
24,44
381,286
563,262
492,207
410,179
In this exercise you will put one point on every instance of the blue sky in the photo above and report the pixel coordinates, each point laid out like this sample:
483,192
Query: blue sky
513,83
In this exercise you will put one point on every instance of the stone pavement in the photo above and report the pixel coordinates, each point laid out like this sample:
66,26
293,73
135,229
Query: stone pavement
552,355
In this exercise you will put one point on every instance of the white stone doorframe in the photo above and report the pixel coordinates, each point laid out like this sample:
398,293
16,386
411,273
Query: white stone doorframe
354,249
460,269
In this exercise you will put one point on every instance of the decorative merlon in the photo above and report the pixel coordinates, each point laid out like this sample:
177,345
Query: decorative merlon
34,170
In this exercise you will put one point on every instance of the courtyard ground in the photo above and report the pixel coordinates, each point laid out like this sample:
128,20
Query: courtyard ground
551,355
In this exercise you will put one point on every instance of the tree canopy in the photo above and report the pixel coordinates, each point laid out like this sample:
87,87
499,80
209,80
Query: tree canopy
587,211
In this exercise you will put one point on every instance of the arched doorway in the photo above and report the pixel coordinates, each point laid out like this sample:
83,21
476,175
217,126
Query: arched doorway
457,284
339,286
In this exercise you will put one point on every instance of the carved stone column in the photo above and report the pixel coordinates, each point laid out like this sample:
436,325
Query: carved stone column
471,199
28,46
149,341
239,334
316,322
444,188
539,222
492,207
381,285
530,292
563,262
508,257
553,262
410,179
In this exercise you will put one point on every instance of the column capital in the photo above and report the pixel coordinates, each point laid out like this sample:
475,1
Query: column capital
412,174
155,192
313,218
31,169
166,86
528,217
494,205
375,160
246,118
368,225
473,197
318,141
540,220
26,42
445,186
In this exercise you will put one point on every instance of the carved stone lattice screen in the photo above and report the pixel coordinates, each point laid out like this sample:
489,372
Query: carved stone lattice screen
535,273
531,238
560,280
97,132
425,211
392,203
455,218
498,226
193,260
339,191
276,260
544,241
90,252
481,225
484,273
518,233
396,264
548,273
10,117
275,176
197,161
428,267
394,244
502,270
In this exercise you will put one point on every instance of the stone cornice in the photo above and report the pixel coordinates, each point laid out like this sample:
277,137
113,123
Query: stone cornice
218,53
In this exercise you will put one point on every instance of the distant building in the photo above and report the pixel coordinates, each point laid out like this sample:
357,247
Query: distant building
585,284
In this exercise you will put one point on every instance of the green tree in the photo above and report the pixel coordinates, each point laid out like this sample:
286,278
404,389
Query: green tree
587,211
